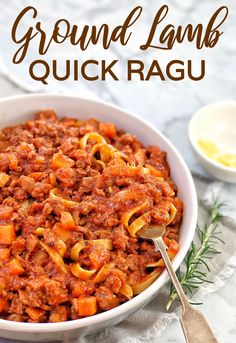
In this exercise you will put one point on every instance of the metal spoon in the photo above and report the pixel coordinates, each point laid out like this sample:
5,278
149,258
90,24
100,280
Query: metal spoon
194,324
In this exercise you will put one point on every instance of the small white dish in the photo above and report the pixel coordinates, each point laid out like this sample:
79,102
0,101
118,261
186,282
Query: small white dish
217,123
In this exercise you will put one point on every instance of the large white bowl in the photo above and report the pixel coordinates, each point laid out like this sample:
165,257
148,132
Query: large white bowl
17,109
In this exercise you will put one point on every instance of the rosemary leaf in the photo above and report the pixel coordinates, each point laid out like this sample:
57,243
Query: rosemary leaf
196,257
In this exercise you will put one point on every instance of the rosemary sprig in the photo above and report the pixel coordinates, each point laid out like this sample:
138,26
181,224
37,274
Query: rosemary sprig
196,258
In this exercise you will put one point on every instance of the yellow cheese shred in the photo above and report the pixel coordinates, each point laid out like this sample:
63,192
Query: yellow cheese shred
222,156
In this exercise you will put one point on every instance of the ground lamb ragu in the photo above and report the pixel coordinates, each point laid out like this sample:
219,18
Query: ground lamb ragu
73,195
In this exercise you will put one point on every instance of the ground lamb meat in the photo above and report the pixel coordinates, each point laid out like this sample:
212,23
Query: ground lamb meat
106,299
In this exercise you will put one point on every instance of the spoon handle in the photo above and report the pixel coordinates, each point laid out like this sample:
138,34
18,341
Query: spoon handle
194,325
160,245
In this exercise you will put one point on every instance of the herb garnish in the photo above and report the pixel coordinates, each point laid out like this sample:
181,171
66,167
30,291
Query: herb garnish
196,258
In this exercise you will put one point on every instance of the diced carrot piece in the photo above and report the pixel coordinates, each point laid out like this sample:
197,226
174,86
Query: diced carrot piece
60,161
13,161
24,146
3,179
122,170
108,129
67,220
7,234
39,160
99,256
78,289
173,247
153,171
4,254
27,183
167,241
87,306
35,313
15,267
3,304
63,234
36,175
58,314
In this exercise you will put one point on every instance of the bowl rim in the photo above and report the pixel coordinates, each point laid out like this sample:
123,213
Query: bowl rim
208,160
139,299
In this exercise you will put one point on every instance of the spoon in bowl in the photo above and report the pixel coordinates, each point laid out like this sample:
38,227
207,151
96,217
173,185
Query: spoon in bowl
194,324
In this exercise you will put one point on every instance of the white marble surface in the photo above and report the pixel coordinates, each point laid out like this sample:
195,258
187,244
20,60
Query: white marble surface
167,106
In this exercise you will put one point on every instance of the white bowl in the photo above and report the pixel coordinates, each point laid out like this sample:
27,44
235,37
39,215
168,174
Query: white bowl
216,122
20,108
